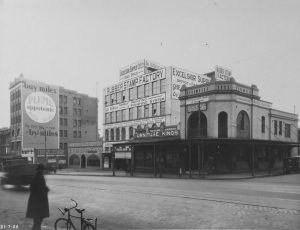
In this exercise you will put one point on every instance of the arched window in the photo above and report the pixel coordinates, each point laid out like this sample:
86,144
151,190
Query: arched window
243,125
112,135
13,133
193,125
154,126
263,124
222,125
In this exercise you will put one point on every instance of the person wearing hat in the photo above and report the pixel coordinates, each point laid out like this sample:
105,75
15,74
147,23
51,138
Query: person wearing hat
38,205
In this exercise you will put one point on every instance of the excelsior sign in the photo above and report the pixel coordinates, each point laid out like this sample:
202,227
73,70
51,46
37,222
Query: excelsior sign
182,77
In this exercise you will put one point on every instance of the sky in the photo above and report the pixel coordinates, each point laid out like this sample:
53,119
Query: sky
82,44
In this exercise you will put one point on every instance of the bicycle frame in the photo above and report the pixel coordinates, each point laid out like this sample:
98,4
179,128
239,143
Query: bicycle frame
83,221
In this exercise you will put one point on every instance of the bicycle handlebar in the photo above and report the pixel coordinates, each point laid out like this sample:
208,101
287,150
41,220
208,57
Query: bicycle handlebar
68,209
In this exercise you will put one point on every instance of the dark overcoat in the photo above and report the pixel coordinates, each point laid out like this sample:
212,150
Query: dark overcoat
38,205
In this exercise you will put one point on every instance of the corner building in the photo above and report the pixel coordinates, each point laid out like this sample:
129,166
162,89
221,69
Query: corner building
45,118
146,97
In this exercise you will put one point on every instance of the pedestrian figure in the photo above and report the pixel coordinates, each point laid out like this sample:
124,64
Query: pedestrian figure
38,206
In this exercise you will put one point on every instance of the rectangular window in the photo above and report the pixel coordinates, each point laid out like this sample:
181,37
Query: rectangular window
113,99
61,110
60,133
155,87
79,101
79,134
263,124
148,89
280,128
113,116
74,101
107,117
118,97
133,93
74,123
275,127
146,111
163,85
119,116
287,130
124,114
65,133
79,123
79,112
124,98
75,112
139,111
65,100
131,114
163,108
75,134
60,121
141,91
154,109
107,100
65,110
65,122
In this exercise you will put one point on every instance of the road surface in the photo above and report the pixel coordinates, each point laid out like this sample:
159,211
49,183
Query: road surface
160,203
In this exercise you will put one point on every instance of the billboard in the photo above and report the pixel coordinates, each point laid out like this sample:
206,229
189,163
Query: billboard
40,103
133,70
136,81
182,77
222,74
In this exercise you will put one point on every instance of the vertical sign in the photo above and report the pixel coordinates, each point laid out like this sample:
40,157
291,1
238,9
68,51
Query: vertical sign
40,115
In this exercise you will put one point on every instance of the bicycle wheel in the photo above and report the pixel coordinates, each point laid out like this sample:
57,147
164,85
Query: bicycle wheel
89,227
63,224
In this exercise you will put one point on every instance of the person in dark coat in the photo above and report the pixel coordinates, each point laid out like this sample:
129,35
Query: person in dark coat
38,205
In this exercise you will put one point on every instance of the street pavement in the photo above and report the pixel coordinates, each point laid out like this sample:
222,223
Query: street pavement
165,203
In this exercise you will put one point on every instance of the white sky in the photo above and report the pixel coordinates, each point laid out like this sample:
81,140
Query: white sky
76,43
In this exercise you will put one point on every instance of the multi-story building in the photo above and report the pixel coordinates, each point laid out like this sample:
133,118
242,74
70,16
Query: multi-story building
145,97
4,141
45,117
215,125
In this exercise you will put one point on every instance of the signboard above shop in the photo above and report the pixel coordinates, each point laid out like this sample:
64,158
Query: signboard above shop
195,107
168,131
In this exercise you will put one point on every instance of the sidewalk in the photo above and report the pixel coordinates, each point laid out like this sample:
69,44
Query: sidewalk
109,172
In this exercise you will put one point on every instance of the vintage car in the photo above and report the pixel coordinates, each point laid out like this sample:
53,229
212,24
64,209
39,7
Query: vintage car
18,174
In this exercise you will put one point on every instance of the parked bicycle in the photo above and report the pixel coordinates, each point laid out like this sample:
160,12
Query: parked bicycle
67,224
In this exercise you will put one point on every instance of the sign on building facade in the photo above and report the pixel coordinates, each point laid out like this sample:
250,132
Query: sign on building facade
40,115
182,77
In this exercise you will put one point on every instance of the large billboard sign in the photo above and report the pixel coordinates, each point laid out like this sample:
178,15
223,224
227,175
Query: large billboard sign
133,70
136,81
40,115
182,77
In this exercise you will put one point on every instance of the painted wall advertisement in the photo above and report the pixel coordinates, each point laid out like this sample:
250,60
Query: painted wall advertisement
182,77
40,115
222,74
136,81
137,102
